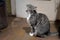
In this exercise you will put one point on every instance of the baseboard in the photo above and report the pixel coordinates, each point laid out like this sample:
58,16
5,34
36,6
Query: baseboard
12,15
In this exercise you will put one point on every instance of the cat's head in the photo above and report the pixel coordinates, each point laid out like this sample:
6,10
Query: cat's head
31,9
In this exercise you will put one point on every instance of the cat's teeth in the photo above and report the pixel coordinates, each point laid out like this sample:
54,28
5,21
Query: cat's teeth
31,34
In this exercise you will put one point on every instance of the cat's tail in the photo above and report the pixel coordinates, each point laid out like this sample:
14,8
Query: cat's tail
53,33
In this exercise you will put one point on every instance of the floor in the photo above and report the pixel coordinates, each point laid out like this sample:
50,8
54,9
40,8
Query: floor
18,29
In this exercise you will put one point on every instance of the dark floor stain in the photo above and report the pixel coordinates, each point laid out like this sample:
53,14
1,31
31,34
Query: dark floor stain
27,29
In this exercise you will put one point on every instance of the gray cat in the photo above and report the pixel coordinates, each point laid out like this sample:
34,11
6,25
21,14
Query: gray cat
39,22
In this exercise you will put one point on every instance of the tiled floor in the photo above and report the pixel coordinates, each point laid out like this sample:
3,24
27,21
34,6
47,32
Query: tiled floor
18,30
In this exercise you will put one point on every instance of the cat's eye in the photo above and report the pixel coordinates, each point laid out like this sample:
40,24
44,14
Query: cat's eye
26,10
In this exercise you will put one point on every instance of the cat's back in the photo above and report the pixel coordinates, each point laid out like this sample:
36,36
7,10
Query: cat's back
44,24
42,16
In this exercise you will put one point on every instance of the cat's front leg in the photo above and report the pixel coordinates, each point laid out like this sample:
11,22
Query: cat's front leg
35,33
32,31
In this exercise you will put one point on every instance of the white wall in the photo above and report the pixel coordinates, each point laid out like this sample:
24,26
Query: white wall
13,7
46,7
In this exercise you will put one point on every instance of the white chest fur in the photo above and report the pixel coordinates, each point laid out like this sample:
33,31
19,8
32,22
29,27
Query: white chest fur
28,18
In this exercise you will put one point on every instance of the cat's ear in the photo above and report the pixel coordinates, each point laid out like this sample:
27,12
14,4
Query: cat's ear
34,8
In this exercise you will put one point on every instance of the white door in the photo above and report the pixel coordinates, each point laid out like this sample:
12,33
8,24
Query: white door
13,7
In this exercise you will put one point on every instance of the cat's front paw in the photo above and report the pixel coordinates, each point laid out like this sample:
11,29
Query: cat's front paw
31,34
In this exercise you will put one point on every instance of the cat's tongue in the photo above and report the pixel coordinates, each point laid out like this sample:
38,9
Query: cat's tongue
31,34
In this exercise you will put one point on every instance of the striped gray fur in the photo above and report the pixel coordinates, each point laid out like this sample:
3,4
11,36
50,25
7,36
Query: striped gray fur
39,22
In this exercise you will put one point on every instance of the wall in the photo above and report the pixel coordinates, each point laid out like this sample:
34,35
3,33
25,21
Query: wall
45,7
8,5
13,7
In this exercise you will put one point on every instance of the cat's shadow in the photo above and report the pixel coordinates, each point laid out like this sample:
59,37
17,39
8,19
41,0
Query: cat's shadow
27,29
